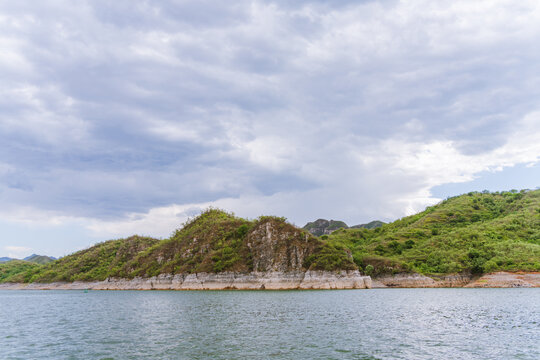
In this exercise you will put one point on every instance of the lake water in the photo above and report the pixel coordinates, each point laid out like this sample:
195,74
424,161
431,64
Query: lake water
348,324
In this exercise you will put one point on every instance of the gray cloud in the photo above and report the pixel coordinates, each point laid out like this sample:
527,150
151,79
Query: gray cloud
114,108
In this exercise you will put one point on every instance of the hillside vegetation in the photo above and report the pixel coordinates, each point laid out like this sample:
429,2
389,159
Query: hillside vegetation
473,233
215,241
14,270
95,263
39,259
476,233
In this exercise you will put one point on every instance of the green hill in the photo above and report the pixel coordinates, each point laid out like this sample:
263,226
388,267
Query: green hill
321,227
95,263
476,232
14,270
39,259
473,233
370,225
215,241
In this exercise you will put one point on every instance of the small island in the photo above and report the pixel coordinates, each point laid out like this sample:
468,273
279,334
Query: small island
479,239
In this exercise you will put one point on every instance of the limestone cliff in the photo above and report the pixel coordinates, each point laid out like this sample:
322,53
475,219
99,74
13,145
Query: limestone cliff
277,246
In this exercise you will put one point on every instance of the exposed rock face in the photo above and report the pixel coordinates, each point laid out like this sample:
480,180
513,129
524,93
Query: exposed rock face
420,281
288,281
507,280
278,247
220,281
494,280
324,227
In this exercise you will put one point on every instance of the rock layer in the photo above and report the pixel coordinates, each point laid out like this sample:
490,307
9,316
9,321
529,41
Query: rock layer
507,280
420,281
291,280
219,281
495,280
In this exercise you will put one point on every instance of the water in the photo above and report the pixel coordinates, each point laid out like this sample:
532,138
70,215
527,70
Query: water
349,324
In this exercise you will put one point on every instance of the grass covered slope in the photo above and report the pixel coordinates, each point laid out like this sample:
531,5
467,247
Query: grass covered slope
213,242
14,270
95,263
217,241
39,259
473,233
476,232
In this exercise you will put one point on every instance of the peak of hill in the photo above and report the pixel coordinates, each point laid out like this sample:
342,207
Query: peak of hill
39,259
213,242
370,225
321,227
475,232
324,227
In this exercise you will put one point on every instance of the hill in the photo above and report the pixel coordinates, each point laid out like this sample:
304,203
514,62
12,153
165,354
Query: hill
475,233
5,259
213,242
370,225
39,259
325,227
469,234
14,270
95,263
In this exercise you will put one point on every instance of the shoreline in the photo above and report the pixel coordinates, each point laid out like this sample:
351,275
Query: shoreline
315,280
500,279
309,280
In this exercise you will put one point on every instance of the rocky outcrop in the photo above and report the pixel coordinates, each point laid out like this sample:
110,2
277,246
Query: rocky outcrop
420,281
506,280
219,281
291,280
324,227
494,280
279,247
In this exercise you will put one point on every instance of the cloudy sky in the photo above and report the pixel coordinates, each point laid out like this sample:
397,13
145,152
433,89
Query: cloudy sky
127,117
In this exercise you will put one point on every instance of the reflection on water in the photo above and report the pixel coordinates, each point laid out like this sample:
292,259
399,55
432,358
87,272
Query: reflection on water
348,324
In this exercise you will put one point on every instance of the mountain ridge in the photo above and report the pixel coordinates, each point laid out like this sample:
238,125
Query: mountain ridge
321,227
471,234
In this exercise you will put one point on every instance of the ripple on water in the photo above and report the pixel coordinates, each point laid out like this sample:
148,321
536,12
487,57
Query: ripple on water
355,324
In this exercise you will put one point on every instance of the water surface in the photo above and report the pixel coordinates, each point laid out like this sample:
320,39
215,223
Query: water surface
348,324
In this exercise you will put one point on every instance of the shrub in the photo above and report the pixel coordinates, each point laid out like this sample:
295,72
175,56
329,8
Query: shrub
369,269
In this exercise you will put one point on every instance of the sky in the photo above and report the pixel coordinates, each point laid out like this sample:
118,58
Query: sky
121,118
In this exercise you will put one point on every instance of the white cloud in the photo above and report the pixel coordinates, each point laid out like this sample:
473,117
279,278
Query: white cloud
44,113
17,252
120,118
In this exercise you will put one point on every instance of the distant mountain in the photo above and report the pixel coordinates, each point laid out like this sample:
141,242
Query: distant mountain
326,227
39,259
370,225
